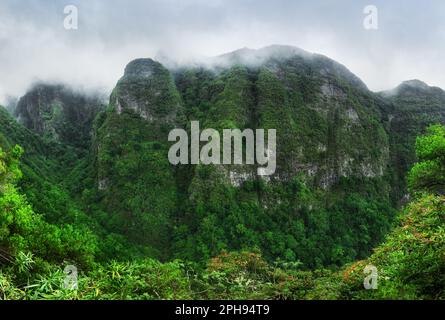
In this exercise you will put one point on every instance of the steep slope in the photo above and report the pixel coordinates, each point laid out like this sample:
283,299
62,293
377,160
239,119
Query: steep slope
328,200
302,95
58,113
55,143
413,107
411,261
55,184
40,156
332,158
45,166
341,154
135,180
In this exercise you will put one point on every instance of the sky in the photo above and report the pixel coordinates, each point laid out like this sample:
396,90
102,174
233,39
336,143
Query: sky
409,42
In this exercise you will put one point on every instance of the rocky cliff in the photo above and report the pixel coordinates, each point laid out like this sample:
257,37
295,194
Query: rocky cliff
333,157
342,153
59,113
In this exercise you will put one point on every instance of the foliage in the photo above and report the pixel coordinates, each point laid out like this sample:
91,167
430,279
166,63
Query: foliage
411,261
429,173
137,227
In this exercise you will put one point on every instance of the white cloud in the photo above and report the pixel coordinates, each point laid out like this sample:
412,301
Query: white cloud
34,45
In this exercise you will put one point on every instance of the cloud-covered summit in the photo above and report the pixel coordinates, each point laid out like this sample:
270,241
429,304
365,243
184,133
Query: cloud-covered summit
35,46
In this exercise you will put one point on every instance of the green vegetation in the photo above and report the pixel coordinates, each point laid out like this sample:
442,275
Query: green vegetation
411,261
428,174
333,215
108,201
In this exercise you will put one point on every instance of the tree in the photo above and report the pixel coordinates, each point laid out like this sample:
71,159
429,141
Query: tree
9,170
429,173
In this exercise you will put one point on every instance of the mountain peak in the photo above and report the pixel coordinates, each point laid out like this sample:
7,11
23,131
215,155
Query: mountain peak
281,54
413,87
248,56
415,83
147,88
143,67
58,112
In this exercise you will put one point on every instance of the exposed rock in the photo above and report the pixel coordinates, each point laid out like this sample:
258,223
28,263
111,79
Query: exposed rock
58,113
147,89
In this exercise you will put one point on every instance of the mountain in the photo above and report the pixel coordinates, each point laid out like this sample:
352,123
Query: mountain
54,128
317,103
333,158
255,58
413,107
135,180
59,113
11,103
342,155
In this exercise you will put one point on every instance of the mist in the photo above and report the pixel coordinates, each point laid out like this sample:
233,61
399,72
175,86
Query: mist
34,45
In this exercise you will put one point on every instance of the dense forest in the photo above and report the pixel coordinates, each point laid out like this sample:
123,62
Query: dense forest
360,181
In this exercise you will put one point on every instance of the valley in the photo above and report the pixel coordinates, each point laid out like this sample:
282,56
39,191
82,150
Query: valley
92,185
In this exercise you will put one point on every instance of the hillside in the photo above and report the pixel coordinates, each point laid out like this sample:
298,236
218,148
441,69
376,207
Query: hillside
332,142
414,106
56,112
102,174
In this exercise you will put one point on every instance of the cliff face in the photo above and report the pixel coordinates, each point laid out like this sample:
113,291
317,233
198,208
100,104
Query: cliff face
413,106
58,113
135,179
147,89
328,124
342,154
332,143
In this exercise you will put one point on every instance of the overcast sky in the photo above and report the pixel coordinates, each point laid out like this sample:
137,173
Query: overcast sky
34,45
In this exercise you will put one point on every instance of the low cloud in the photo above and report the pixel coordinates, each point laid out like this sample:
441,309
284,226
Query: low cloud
35,46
